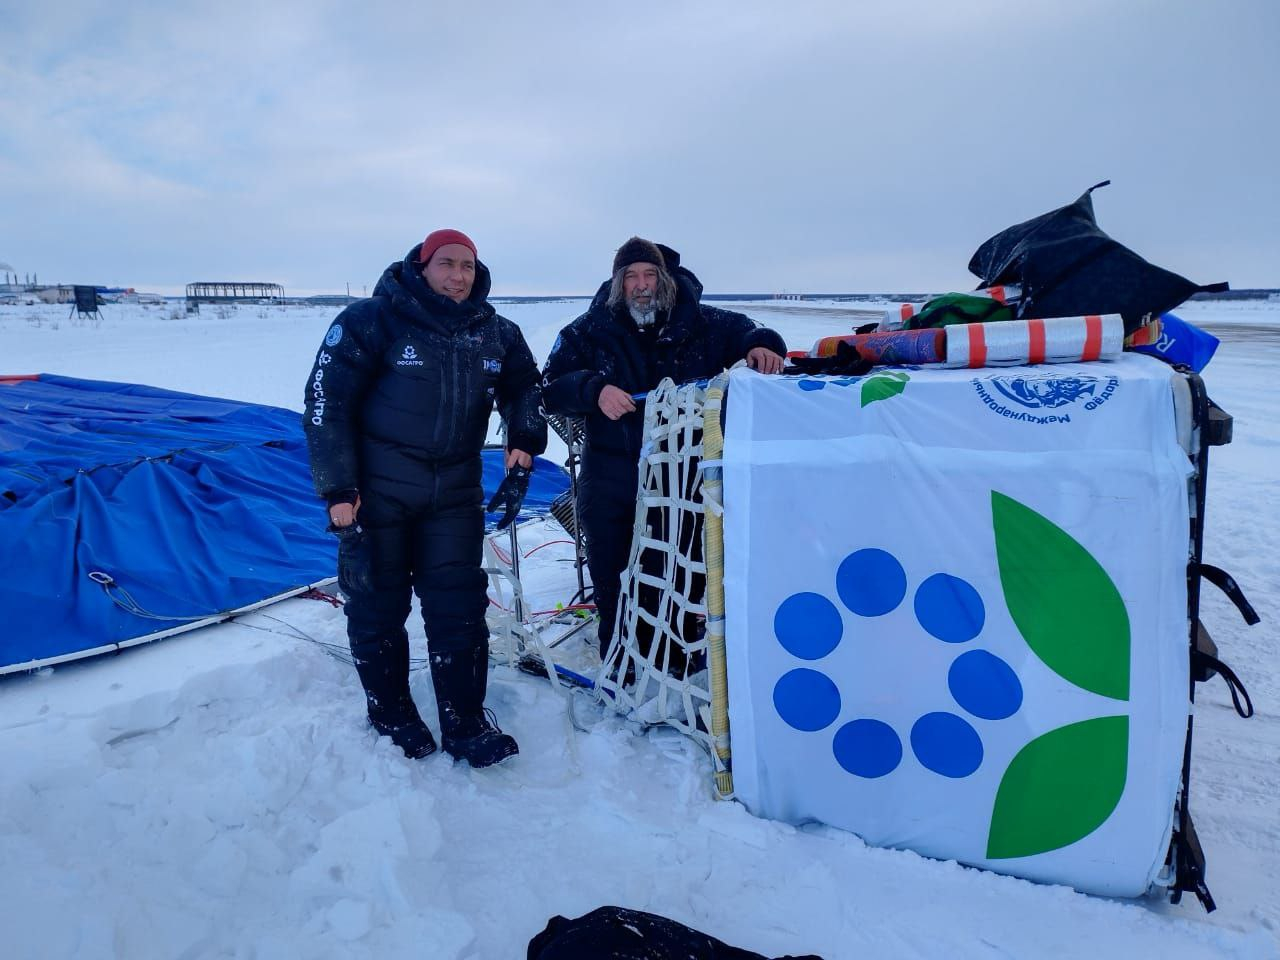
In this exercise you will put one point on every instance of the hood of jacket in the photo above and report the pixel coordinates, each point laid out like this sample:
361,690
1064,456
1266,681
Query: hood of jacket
402,283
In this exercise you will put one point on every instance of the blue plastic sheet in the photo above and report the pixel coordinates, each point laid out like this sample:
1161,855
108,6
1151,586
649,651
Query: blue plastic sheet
192,506
1182,342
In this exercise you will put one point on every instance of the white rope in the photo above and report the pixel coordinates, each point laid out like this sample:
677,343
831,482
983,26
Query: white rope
512,638
658,636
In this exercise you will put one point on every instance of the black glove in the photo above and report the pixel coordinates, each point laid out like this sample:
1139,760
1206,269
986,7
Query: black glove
510,495
355,560
846,362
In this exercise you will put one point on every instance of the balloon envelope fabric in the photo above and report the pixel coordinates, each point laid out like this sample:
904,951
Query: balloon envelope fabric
969,637
191,506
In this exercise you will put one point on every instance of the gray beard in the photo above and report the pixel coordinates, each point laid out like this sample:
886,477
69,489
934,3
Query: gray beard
641,318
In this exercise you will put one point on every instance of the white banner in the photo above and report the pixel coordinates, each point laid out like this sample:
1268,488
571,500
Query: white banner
956,612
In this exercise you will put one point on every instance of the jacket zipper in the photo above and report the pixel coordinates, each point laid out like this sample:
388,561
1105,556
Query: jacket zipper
456,401
440,436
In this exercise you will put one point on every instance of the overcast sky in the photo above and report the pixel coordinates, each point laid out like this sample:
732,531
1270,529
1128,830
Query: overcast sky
799,146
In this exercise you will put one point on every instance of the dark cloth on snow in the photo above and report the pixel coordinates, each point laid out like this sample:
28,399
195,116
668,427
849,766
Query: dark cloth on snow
616,933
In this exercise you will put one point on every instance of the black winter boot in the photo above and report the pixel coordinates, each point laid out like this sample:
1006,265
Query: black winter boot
404,725
383,666
468,730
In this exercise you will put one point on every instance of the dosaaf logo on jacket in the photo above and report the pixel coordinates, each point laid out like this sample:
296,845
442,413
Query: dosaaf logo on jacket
409,357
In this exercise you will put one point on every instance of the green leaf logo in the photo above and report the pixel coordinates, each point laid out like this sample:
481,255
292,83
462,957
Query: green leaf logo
1062,601
883,386
1060,788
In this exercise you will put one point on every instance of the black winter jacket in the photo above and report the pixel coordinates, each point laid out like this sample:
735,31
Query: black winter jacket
604,346
406,381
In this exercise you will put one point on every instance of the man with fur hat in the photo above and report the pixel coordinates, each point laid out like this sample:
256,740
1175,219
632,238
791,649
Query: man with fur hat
646,323
397,410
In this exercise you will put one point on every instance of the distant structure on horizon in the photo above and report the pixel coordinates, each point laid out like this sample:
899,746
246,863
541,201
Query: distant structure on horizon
11,285
230,291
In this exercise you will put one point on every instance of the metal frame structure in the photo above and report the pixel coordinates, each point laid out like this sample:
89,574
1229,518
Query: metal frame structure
232,291
573,431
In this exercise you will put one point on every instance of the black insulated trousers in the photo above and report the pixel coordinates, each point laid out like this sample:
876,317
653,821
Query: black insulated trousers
433,547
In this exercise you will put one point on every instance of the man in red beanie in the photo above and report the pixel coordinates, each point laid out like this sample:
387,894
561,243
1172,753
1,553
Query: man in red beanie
397,410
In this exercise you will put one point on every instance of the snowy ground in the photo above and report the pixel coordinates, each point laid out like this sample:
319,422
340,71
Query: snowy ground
218,794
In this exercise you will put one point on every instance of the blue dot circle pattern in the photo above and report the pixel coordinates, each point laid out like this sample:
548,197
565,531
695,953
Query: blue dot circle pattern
946,744
867,748
806,700
985,685
808,625
871,582
949,608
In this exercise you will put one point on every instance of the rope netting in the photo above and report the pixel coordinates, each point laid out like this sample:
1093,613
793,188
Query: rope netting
666,648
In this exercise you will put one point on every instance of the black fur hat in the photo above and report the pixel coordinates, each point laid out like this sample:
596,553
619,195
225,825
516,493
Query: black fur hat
637,250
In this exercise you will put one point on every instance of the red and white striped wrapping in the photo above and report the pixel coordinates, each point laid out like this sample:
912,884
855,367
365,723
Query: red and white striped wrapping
1058,340
895,318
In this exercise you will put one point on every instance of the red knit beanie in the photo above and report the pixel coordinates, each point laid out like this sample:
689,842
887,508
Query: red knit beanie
440,238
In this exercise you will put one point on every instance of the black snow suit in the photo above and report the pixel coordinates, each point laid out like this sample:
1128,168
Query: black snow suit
397,407
603,347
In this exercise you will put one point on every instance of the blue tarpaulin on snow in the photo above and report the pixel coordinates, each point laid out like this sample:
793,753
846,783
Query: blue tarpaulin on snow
189,506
